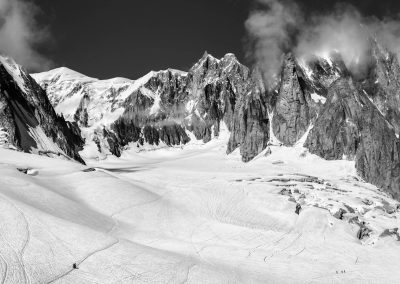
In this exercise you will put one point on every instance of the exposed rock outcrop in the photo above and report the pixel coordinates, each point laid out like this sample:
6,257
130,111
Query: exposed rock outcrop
302,93
351,127
250,126
363,232
28,118
351,116
382,83
160,107
291,112
340,214
81,115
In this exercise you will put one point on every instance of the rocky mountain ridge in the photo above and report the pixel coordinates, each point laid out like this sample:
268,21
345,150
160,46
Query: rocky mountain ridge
28,121
159,107
318,100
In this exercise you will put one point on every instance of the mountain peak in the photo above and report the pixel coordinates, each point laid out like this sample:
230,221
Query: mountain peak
230,56
62,74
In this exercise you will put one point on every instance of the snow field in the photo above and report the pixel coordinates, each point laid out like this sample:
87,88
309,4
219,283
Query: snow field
193,215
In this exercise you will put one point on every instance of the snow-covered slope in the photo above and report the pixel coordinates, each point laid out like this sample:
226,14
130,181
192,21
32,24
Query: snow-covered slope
97,104
194,215
66,89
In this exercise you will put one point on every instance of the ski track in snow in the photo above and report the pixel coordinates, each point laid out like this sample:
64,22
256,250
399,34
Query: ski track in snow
192,215
18,255
82,260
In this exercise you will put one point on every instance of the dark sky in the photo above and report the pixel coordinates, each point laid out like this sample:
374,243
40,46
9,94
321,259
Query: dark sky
109,38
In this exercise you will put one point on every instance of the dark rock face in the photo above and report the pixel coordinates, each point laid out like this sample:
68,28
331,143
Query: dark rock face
28,118
250,126
353,116
298,209
215,86
378,160
301,94
291,114
335,134
363,233
162,106
340,214
141,123
112,142
212,92
173,135
125,132
350,126
325,72
391,233
151,134
81,115
382,83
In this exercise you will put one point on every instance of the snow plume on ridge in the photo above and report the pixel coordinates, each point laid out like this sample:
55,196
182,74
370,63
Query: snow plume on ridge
349,33
271,28
20,34
279,26
341,31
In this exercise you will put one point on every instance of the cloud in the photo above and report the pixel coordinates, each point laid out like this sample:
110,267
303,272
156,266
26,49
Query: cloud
280,27
343,31
20,34
349,33
271,29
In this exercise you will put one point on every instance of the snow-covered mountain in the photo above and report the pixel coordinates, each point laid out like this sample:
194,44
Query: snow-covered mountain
69,91
170,107
317,196
28,121
159,108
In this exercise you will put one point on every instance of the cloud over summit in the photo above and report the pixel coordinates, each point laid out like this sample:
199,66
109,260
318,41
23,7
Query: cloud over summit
20,34
271,29
279,26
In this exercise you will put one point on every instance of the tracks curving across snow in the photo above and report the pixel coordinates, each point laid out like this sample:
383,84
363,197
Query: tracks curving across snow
55,279
195,215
